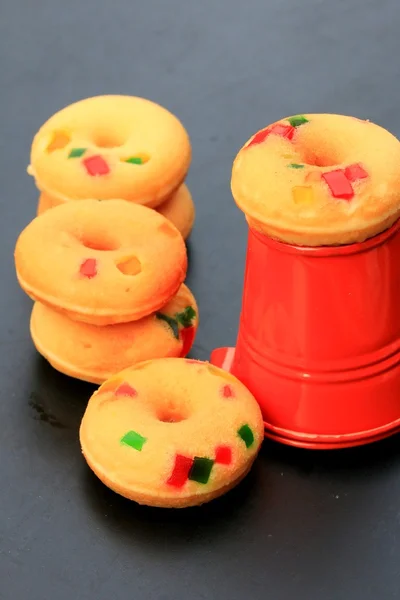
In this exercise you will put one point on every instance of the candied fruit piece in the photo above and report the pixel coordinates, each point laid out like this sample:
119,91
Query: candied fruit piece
303,195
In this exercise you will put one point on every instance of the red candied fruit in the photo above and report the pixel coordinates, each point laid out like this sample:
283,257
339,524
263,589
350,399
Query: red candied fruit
285,131
89,268
227,391
338,184
181,470
354,172
187,336
223,455
126,390
96,165
260,137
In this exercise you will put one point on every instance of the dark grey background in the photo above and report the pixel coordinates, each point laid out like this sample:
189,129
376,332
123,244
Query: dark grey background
303,525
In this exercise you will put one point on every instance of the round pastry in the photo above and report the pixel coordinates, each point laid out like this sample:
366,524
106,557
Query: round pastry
111,147
101,262
171,432
46,202
94,353
319,179
179,208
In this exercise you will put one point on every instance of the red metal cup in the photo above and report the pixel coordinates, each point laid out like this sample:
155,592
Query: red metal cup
319,340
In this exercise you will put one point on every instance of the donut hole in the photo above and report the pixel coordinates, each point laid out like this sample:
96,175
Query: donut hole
170,417
129,265
319,150
320,160
172,413
99,241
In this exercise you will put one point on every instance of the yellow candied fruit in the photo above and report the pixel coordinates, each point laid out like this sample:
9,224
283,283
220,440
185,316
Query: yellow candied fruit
58,141
303,195
220,373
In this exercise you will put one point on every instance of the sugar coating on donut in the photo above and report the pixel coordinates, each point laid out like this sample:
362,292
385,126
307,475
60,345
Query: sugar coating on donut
319,179
178,441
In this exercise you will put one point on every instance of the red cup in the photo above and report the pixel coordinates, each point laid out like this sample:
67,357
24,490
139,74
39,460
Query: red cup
319,340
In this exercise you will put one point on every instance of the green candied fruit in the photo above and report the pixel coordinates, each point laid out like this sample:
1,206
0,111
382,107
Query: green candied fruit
134,440
77,152
297,120
247,435
135,160
201,469
295,166
171,322
186,317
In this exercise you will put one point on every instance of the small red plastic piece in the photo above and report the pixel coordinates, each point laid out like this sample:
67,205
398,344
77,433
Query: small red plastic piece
89,268
228,391
181,471
96,165
126,390
187,335
354,172
339,184
223,455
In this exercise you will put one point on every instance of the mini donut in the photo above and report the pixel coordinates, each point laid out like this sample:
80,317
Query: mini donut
319,179
171,432
94,353
101,262
111,147
46,202
179,208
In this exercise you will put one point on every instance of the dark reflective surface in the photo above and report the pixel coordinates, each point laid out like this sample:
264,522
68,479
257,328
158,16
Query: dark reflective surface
302,525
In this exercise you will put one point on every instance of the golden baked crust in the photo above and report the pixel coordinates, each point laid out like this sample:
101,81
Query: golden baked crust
319,179
111,147
171,432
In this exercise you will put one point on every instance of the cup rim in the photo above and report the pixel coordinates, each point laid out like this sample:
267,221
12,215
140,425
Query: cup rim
321,251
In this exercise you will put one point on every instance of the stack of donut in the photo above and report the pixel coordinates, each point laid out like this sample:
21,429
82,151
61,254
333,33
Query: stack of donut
106,272
110,147
107,278
111,308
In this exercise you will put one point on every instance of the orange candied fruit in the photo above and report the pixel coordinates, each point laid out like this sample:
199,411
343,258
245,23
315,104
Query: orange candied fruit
58,141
